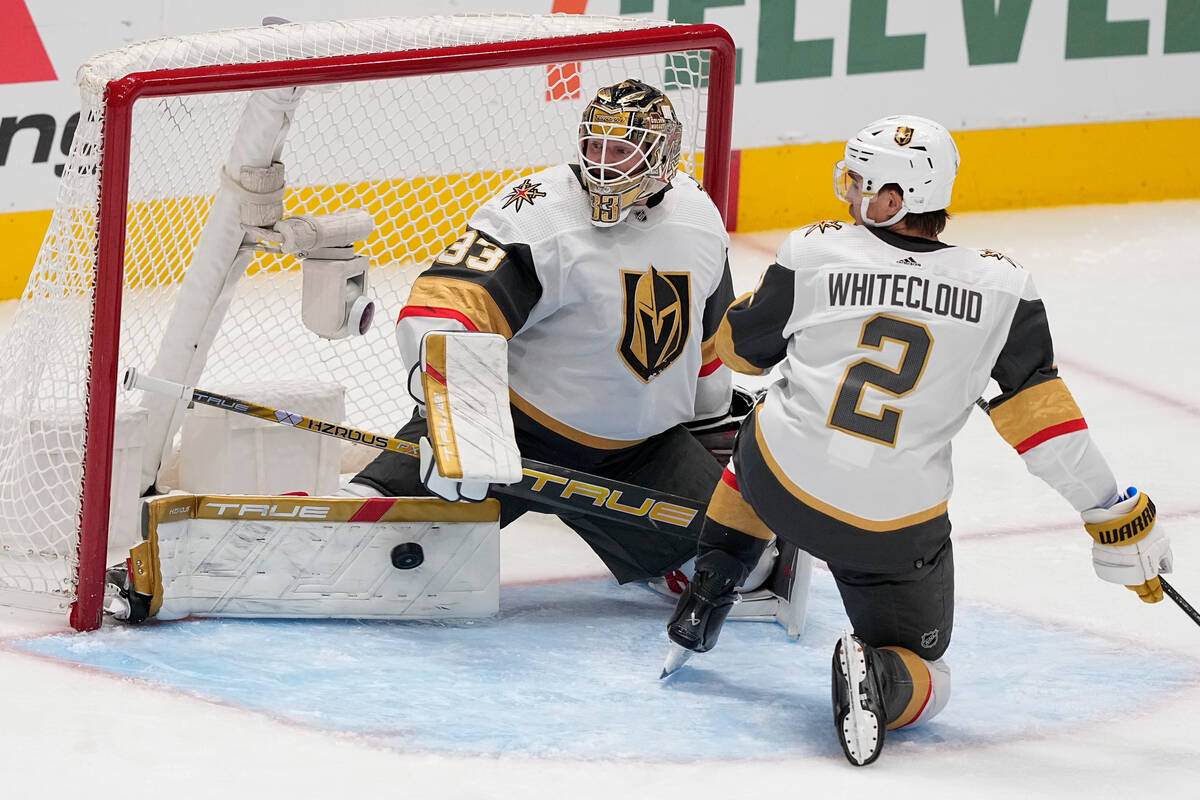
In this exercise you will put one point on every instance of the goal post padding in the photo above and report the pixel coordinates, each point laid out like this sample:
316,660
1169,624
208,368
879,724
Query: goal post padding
415,121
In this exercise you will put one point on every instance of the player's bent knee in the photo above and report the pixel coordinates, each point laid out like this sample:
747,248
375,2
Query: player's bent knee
918,689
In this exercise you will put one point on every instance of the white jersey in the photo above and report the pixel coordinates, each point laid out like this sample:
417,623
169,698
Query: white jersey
884,343
610,329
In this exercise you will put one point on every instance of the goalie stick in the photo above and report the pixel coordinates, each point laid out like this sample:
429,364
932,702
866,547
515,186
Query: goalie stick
547,484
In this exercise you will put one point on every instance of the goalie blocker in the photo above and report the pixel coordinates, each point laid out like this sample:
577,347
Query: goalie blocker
310,557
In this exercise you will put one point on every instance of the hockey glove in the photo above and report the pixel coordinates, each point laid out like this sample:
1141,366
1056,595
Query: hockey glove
452,489
1128,548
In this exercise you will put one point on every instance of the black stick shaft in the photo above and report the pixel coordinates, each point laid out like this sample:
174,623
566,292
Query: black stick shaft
1172,593
547,485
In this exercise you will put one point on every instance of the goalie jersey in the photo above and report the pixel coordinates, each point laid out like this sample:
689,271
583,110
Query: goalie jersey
884,344
611,330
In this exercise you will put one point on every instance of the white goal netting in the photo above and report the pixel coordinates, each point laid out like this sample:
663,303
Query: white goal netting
417,153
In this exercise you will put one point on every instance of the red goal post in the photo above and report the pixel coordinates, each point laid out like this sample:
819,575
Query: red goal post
114,229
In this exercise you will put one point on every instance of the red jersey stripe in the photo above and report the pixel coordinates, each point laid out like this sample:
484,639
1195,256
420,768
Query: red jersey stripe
443,313
730,480
1045,434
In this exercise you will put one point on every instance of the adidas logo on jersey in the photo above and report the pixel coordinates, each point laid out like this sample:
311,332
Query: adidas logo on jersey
909,262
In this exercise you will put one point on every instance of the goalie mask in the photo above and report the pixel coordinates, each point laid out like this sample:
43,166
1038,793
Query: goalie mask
915,153
629,143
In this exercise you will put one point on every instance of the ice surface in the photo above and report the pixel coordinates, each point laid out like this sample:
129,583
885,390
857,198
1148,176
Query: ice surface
532,680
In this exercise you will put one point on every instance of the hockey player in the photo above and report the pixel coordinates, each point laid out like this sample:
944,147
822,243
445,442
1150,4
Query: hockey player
885,336
608,277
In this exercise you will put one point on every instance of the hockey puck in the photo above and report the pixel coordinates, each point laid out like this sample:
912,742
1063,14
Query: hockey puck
407,555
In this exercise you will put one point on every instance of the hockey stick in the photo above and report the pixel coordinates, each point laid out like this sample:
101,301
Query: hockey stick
547,485
1179,601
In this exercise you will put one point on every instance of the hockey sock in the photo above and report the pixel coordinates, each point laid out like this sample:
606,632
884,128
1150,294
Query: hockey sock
913,689
731,526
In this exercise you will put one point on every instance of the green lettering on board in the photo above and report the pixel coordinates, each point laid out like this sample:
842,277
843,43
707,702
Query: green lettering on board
995,31
691,12
872,50
1183,27
1091,35
780,56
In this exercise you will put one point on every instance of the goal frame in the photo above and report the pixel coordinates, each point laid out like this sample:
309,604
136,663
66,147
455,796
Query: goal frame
119,98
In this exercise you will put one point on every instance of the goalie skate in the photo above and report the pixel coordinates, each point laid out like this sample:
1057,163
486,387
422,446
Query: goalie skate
858,716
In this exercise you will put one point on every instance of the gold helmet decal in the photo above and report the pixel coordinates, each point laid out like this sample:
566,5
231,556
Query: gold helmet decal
657,320
903,135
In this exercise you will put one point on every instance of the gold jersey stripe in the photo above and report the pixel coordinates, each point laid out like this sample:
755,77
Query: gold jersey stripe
730,509
566,431
922,687
877,526
1033,410
437,407
471,299
723,342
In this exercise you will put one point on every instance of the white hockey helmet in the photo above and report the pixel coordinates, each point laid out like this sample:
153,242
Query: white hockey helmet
630,117
917,154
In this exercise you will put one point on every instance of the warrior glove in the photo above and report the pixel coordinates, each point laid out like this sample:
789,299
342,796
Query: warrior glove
1128,548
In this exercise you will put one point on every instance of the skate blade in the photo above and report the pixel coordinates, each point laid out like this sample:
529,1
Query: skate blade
861,732
677,656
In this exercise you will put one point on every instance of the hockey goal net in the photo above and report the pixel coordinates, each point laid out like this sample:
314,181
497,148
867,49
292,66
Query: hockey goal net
414,121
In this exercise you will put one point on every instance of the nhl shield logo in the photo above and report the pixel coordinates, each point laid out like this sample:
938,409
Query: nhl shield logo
929,638
658,318
904,135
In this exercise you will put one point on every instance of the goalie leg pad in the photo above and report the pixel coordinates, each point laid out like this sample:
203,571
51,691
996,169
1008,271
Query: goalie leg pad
317,557
783,597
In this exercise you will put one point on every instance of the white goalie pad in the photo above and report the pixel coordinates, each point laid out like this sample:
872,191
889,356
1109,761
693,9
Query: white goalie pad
318,557
465,379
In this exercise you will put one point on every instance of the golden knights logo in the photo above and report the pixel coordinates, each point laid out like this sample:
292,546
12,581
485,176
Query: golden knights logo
523,192
658,318
822,226
903,135
999,257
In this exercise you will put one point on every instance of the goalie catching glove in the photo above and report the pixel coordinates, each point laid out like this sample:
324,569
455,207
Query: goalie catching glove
1128,548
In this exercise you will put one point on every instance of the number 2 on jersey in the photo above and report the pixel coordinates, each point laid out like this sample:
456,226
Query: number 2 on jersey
845,414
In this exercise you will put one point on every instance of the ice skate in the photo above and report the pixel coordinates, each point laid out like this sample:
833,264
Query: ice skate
859,718
121,601
703,607
677,656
